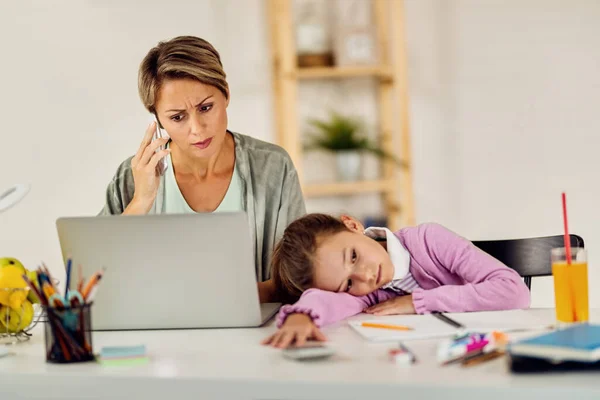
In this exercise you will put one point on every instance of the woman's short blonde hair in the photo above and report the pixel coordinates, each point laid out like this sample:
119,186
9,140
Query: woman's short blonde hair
181,57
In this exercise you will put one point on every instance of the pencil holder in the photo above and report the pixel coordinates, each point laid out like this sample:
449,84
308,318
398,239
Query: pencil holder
68,334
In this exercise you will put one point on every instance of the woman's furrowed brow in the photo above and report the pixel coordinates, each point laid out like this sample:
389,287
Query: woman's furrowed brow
197,105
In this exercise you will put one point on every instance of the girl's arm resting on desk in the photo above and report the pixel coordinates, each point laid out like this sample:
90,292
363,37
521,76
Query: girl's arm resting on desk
489,284
325,307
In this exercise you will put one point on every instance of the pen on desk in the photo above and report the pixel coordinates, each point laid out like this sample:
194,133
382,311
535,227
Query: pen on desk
447,320
386,326
413,358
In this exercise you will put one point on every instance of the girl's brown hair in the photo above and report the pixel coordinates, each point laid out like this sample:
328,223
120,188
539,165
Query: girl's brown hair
181,57
293,257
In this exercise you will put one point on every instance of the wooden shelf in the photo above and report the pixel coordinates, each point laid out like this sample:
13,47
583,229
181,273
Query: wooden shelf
347,188
343,72
389,77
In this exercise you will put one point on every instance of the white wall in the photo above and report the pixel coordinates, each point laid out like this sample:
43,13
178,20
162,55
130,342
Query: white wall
502,96
538,89
507,93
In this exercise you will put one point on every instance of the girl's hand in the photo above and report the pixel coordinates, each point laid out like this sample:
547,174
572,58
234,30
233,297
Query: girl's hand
297,328
145,176
397,305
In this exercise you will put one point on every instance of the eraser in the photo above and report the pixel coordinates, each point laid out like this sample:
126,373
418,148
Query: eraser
401,357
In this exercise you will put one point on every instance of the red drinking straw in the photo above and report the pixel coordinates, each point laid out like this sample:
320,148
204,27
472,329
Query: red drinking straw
567,240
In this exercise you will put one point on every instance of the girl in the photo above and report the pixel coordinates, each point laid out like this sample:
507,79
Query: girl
338,269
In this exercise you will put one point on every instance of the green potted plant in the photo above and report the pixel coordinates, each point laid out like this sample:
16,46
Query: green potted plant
343,136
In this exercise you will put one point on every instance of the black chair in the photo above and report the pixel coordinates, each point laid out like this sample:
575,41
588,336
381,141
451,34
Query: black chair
529,257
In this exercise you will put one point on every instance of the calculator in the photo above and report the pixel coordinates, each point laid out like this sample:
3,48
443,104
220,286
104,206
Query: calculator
309,351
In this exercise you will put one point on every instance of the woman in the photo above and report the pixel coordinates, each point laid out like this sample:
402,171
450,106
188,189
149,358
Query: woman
209,168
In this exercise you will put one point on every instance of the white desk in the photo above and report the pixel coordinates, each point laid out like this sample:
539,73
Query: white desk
225,364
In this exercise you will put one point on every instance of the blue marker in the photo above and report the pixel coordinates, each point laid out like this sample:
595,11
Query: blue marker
68,278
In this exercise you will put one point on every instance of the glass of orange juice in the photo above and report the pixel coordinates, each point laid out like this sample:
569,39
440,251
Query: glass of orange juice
570,285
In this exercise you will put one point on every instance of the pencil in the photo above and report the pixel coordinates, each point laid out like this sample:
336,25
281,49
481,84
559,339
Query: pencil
386,326
48,290
80,284
34,289
91,283
480,358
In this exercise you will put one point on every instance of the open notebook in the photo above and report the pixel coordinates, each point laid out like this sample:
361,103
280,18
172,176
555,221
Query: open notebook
428,326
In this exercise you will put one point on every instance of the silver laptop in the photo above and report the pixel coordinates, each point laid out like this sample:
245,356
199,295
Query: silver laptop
167,271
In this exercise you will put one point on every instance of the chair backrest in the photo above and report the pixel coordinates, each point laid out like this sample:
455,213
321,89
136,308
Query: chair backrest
529,257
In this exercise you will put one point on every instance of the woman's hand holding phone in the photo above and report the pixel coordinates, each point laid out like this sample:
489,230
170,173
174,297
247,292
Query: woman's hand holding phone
145,172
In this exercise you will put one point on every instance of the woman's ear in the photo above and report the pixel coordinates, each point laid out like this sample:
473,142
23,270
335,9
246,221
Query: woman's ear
352,224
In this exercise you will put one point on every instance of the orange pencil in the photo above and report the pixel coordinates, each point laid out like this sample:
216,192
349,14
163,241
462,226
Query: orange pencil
386,326
91,283
48,290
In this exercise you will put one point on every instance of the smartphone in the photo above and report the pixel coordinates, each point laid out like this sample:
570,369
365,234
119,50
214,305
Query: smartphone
309,351
161,167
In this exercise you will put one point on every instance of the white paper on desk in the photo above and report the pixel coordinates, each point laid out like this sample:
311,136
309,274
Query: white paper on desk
505,321
428,327
423,327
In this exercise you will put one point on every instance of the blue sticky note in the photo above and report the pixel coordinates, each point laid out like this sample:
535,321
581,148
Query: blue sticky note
112,352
